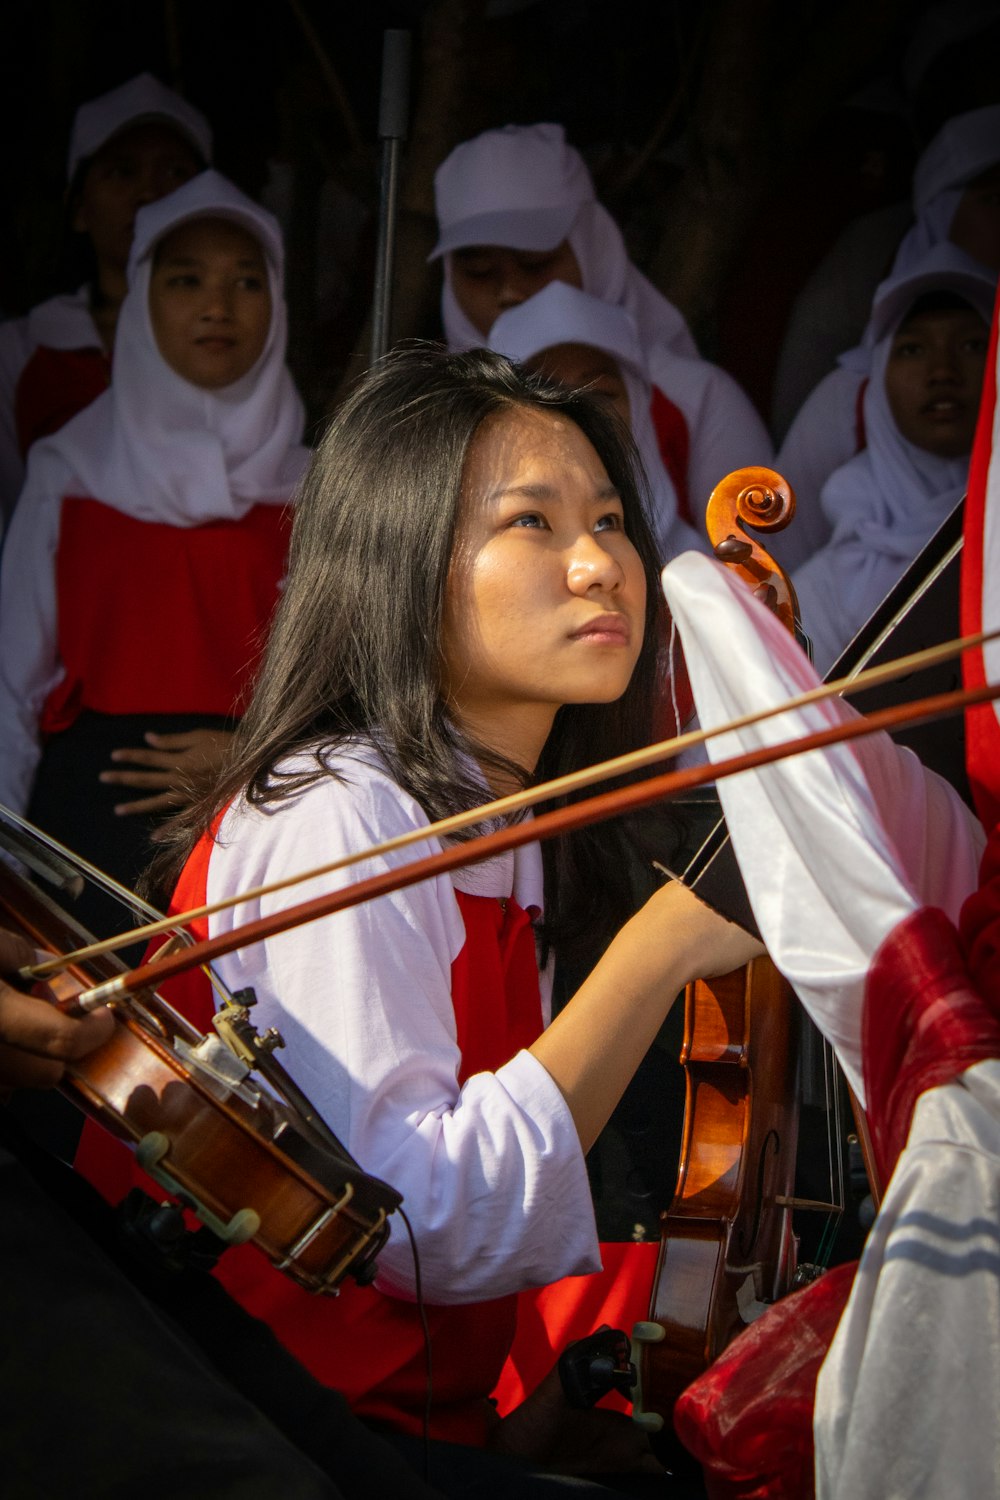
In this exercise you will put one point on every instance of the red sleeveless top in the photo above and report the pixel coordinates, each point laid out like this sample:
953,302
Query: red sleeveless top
155,618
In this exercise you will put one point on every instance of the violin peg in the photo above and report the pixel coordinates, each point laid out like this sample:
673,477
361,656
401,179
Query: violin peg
733,549
767,594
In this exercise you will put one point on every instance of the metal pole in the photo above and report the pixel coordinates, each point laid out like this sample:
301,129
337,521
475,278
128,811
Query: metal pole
392,123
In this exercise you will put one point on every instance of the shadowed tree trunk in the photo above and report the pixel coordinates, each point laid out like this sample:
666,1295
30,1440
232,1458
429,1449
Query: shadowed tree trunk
772,70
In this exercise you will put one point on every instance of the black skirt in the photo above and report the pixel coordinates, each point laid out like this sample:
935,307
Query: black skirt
73,805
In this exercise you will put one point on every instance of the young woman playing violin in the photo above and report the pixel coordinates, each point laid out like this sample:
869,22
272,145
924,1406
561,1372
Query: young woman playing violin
472,602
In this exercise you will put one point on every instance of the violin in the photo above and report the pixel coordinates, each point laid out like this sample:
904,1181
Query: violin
250,1164
727,1246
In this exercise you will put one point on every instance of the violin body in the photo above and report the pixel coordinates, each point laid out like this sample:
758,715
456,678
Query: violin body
225,1147
727,1248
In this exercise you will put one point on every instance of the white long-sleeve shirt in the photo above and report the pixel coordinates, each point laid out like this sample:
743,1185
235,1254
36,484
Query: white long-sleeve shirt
491,1172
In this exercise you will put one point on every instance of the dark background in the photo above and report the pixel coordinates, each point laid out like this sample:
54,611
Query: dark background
733,139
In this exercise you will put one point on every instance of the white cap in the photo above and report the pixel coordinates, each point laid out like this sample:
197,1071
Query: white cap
521,186
561,314
143,100
943,269
207,196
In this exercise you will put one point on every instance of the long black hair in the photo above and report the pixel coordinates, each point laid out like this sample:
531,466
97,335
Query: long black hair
355,646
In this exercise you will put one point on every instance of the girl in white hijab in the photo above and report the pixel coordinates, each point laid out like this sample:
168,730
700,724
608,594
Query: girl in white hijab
578,340
147,549
930,329
517,210
127,148
955,190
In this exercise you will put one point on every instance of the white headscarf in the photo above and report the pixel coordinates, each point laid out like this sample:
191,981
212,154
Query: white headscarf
963,148
561,314
161,449
524,188
888,501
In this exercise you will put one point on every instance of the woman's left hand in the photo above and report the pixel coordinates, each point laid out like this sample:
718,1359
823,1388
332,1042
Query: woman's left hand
172,765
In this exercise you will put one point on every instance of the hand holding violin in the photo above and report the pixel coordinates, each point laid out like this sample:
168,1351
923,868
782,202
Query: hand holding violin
36,1039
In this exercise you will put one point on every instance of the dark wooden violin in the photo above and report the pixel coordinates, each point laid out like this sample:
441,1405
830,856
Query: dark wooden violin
727,1248
250,1159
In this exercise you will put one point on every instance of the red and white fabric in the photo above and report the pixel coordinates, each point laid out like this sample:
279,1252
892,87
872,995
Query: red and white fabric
980,606
860,866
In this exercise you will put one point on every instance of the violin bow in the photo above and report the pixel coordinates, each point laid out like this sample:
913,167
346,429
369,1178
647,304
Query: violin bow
549,825
518,801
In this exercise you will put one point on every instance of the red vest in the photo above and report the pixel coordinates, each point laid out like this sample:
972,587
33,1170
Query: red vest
154,618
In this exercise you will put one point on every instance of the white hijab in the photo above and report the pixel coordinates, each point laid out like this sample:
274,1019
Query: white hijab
525,188
962,149
888,501
161,449
560,314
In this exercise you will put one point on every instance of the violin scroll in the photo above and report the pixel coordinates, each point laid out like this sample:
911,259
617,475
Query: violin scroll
746,501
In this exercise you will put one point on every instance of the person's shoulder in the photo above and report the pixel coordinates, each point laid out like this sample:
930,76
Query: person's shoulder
340,797
691,381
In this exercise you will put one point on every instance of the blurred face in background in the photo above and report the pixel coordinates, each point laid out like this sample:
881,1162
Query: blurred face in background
210,302
489,279
934,377
134,168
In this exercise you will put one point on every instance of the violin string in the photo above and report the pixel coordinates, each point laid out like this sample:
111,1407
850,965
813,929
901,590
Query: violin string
518,801
672,668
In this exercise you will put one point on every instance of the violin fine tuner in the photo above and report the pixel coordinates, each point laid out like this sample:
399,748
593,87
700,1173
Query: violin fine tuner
234,1027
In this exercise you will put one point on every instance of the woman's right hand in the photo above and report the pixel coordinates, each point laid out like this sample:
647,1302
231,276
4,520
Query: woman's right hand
703,943
36,1039
596,1042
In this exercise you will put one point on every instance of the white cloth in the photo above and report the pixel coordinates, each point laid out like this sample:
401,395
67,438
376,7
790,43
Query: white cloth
886,502
916,1356
822,438
561,314
836,847
492,1173
153,447
724,431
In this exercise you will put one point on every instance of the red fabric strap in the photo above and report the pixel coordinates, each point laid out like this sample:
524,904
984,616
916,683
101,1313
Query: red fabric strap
674,442
982,735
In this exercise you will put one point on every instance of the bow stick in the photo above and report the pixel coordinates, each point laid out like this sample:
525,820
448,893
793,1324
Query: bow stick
549,825
574,781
